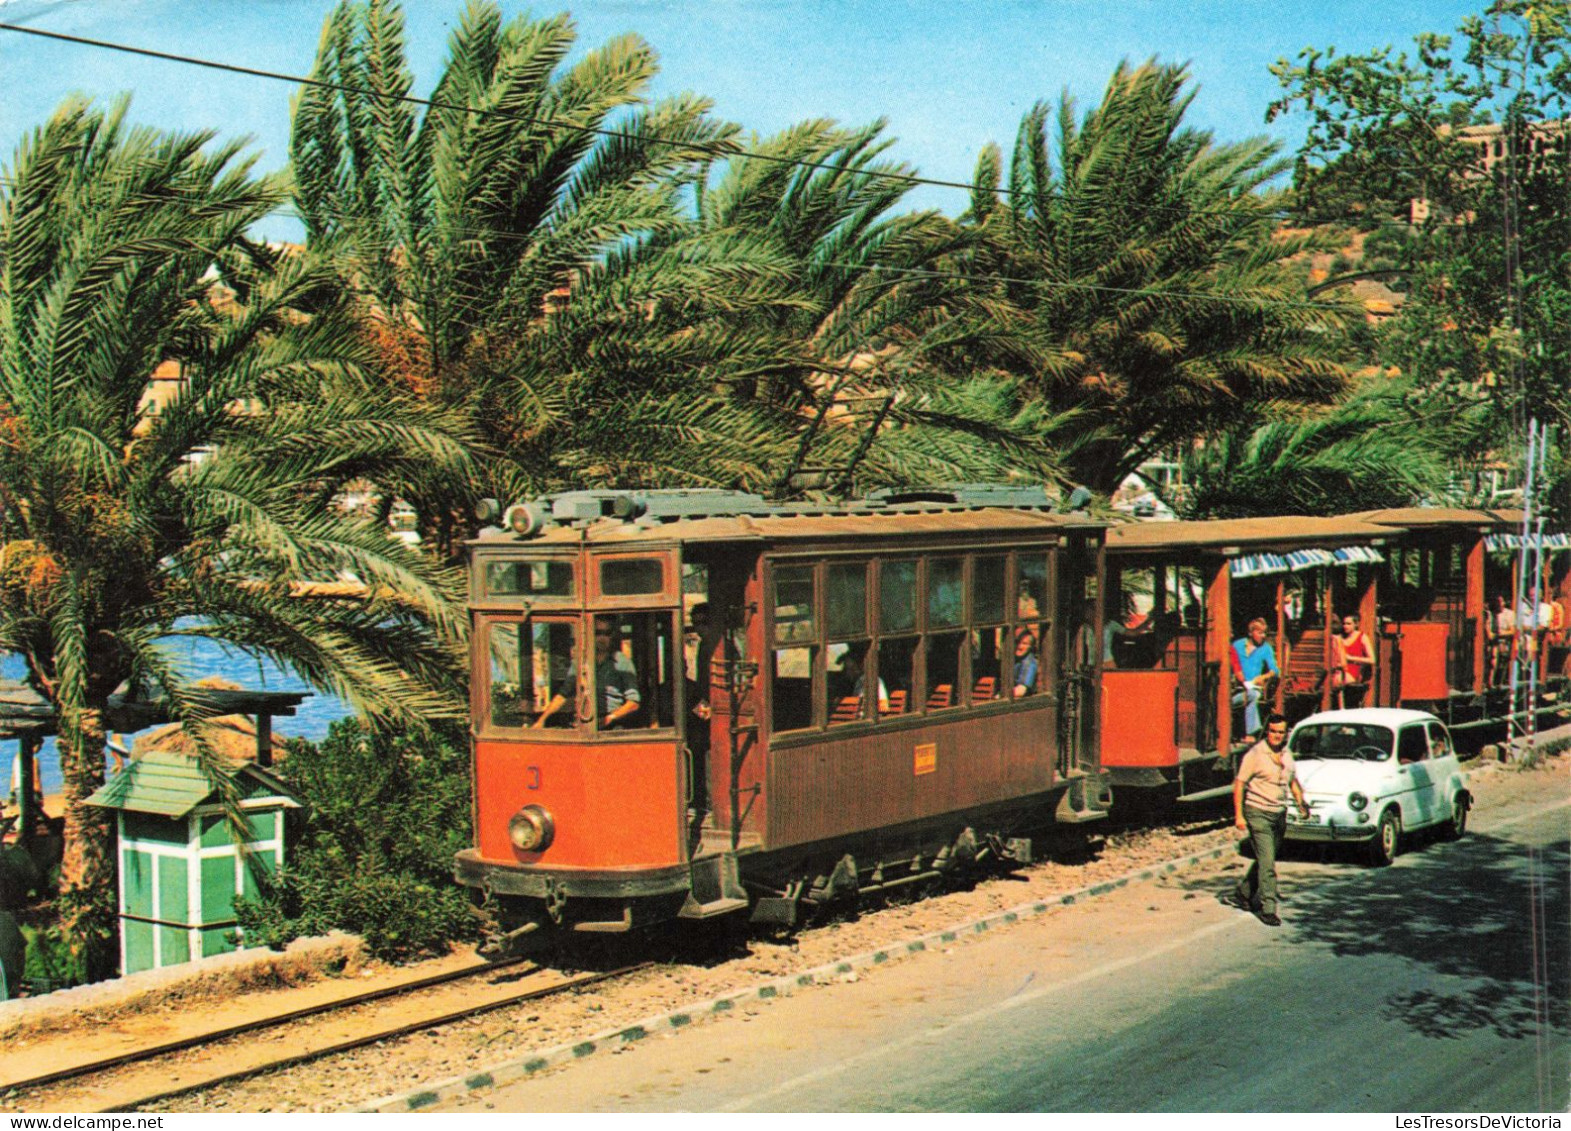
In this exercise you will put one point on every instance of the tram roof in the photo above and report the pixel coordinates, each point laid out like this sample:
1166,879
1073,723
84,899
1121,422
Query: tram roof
1413,517
1223,534
874,523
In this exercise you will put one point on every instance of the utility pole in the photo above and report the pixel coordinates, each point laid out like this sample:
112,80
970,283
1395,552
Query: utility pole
1522,724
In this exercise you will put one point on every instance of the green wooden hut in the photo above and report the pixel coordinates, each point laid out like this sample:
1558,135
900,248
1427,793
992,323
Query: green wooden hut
180,869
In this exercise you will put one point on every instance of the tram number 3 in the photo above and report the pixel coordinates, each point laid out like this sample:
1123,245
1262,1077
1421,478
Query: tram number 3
533,781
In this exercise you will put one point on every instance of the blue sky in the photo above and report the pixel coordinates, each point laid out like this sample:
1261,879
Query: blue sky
949,75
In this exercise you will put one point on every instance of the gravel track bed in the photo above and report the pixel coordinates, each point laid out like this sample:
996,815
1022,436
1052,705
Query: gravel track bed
1087,857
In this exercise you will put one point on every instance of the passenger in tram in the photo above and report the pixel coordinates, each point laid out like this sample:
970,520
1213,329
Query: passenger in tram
1500,634
1027,666
1121,636
701,641
853,668
1352,658
1255,671
1533,620
616,681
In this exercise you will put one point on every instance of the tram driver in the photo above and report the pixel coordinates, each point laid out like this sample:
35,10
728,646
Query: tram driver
616,681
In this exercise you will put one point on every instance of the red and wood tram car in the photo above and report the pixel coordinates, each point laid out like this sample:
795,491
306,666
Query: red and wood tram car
1178,594
694,703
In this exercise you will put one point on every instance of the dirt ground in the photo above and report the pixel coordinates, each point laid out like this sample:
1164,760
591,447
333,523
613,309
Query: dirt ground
681,980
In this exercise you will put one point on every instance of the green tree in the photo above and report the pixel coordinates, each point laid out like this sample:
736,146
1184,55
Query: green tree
520,248
1383,447
854,372
126,519
384,813
1488,280
1140,277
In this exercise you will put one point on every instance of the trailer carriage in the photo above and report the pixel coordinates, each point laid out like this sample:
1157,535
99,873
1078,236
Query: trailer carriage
1168,684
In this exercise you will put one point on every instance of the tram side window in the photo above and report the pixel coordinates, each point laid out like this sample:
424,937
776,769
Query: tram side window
531,664
852,689
898,646
1031,591
791,680
988,652
854,692
944,673
1031,630
793,660
846,606
897,672
945,592
529,578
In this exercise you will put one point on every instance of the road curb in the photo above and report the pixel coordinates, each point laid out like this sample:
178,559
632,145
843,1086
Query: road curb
533,1063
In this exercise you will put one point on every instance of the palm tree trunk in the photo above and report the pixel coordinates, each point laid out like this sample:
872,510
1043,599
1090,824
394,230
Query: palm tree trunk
87,869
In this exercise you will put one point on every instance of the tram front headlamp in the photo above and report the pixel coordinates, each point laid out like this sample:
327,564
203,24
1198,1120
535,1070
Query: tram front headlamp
531,829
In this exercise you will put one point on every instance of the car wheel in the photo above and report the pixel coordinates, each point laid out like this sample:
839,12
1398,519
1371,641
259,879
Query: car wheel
1457,825
1382,850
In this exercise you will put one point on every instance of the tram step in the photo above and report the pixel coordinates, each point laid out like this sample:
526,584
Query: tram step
692,909
1208,794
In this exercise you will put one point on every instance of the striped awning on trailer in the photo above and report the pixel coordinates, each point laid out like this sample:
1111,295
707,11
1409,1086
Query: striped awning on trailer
1559,541
1259,565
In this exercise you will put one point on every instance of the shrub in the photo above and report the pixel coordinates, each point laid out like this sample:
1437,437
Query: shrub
371,849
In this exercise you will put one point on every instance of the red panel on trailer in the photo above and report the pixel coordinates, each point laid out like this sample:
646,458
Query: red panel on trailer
1424,661
1137,718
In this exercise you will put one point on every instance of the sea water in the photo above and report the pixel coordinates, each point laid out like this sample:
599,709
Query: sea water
198,658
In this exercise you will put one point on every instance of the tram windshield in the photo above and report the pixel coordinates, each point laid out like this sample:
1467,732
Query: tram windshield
537,669
529,664
1359,742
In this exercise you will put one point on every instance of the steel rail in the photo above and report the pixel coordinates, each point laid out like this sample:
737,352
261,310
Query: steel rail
370,1039
153,1051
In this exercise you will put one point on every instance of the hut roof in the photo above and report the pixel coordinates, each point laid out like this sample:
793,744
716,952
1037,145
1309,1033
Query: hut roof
170,783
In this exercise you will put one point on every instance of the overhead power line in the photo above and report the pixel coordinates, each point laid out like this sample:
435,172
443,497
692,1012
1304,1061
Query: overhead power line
717,151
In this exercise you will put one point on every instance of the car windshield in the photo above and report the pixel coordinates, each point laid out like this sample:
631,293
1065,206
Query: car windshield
1355,741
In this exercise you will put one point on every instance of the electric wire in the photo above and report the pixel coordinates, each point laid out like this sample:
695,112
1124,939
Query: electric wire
724,152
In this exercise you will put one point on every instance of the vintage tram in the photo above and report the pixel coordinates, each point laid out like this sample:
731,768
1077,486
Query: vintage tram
695,703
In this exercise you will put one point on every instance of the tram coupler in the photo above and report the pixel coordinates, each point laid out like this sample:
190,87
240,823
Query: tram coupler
498,945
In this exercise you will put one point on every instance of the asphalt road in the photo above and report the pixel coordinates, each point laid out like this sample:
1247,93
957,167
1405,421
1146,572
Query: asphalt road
1440,984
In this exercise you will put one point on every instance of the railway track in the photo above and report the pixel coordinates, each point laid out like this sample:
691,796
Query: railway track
377,1033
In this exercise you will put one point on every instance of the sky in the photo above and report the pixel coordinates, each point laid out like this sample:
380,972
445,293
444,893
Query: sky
948,75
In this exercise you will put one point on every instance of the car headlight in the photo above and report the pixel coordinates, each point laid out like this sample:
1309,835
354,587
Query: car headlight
531,829
1357,802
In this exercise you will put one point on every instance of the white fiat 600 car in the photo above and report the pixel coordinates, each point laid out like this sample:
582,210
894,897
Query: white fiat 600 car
1374,774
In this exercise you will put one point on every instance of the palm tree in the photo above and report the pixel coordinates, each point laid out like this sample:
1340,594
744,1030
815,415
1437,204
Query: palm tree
124,520
519,245
1138,280
1384,447
855,368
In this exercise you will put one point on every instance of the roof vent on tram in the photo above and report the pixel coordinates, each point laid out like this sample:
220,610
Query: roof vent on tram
961,495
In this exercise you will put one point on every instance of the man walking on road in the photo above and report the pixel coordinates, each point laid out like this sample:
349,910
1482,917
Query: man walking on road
1260,809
